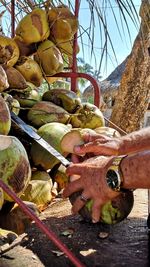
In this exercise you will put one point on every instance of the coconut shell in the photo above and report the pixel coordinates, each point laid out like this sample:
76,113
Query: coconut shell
3,80
30,70
34,27
14,165
112,212
49,58
44,112
15,78
5,118
9,51
64,98
52,133
87,116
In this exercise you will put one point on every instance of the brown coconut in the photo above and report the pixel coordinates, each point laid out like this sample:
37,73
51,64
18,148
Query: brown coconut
15,78
25,49
34,27
3,79
30,70
9,51
49,58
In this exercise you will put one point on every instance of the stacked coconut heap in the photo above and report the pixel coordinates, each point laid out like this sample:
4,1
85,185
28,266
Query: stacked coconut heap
58,116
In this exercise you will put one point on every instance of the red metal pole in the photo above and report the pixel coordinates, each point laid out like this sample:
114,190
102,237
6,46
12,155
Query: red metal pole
75,75
74,63
42,226
12,18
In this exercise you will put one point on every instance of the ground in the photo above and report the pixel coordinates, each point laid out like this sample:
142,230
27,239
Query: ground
127,243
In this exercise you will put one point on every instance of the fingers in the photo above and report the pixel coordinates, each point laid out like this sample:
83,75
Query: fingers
86,148
75,169
72,187
96,211
79,203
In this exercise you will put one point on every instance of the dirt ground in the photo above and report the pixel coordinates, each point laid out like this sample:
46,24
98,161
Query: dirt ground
127,243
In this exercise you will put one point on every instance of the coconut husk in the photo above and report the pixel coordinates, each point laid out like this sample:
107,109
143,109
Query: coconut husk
49,58
66,47
5,118
9,51
30,70
3,80
34,27
25,49
15,78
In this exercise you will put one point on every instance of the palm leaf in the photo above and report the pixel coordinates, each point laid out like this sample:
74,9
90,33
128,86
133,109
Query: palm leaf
98,14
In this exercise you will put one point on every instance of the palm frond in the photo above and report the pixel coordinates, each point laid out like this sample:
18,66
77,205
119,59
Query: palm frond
98,18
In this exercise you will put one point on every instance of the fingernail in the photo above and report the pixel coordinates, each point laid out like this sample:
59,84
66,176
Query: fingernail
94,221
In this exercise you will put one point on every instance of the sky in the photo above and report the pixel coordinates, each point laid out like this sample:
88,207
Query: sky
122,46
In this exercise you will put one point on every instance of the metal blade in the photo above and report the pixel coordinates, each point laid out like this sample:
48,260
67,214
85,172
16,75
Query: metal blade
30,132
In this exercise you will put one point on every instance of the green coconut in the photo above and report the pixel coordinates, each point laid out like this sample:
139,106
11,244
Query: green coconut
38,192
112,212
30,70
12,103
3,80
34,27
41,175
64,98
9,51
28,97
14,165
49,58
87,116
5,118
53,133
44,112
1,198
74,138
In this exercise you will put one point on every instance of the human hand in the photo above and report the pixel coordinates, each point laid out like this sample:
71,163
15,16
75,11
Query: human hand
92,182
99,145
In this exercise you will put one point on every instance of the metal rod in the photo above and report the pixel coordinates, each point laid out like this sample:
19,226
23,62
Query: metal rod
42,226
12,18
